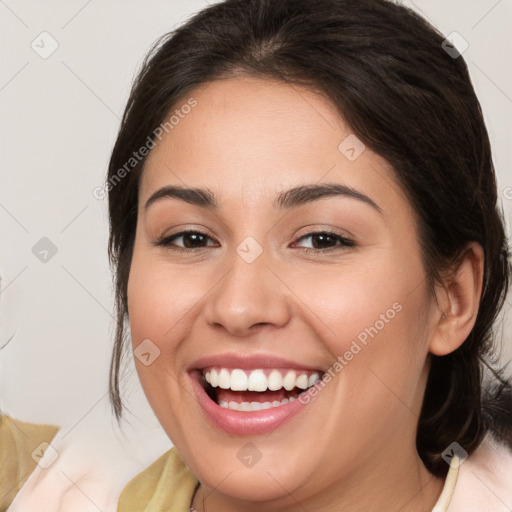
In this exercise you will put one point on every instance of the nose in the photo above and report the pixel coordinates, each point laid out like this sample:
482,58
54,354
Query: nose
248,297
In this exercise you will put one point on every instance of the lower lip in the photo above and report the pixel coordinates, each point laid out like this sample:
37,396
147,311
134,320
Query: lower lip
246,423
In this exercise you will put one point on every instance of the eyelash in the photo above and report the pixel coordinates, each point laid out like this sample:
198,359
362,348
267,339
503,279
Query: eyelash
166,241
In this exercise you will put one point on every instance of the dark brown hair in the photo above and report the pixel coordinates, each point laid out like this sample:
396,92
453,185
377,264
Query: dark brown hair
388,74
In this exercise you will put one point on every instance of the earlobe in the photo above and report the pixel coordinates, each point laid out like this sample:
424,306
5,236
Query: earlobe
459,303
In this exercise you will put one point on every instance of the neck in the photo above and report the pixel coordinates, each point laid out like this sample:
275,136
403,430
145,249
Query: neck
403,484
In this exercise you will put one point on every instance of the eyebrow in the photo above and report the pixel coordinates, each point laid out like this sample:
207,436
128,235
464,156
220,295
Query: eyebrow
291,198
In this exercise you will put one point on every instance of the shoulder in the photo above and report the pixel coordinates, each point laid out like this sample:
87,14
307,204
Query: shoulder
167,484
484,483
21,446
27,436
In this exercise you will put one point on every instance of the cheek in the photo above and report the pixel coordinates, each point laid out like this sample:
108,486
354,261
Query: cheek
159,299
362,301
161,304
372,319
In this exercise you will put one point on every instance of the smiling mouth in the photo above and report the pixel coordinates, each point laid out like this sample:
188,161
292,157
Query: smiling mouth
254,390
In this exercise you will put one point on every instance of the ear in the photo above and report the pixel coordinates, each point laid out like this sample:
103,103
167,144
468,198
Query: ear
459,300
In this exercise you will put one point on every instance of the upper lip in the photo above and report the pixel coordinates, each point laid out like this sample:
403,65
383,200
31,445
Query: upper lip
249,362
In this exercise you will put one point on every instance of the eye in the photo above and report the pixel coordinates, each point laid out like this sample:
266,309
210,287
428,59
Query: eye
326,241
191,240
323,241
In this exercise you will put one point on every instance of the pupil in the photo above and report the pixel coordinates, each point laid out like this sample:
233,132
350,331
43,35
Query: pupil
195,237
321,237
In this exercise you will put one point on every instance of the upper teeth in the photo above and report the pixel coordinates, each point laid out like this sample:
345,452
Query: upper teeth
258,380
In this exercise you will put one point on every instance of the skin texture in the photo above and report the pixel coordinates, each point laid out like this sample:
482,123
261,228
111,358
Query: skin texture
353,447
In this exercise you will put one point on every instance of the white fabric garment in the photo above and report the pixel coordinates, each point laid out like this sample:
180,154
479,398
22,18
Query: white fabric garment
93,468
484,483
95,461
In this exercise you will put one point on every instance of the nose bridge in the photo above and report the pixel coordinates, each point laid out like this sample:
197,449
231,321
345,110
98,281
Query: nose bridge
248,294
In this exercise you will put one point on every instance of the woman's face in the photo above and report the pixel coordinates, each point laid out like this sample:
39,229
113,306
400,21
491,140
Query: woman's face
264,288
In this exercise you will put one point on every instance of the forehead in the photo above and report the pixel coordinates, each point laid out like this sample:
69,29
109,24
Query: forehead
250,137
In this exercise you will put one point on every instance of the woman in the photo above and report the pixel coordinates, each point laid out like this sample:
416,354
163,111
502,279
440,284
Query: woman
310,258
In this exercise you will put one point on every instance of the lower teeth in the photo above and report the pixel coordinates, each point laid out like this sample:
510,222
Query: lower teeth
254,406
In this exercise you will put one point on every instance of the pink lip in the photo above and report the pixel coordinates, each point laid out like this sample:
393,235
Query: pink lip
245,423
253,361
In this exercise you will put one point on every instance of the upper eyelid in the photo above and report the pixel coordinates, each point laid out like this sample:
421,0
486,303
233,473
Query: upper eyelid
166,239
311,229
337,236
182,233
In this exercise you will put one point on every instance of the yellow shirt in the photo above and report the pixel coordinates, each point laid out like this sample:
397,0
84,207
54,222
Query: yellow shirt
20,447
169,486
165,486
